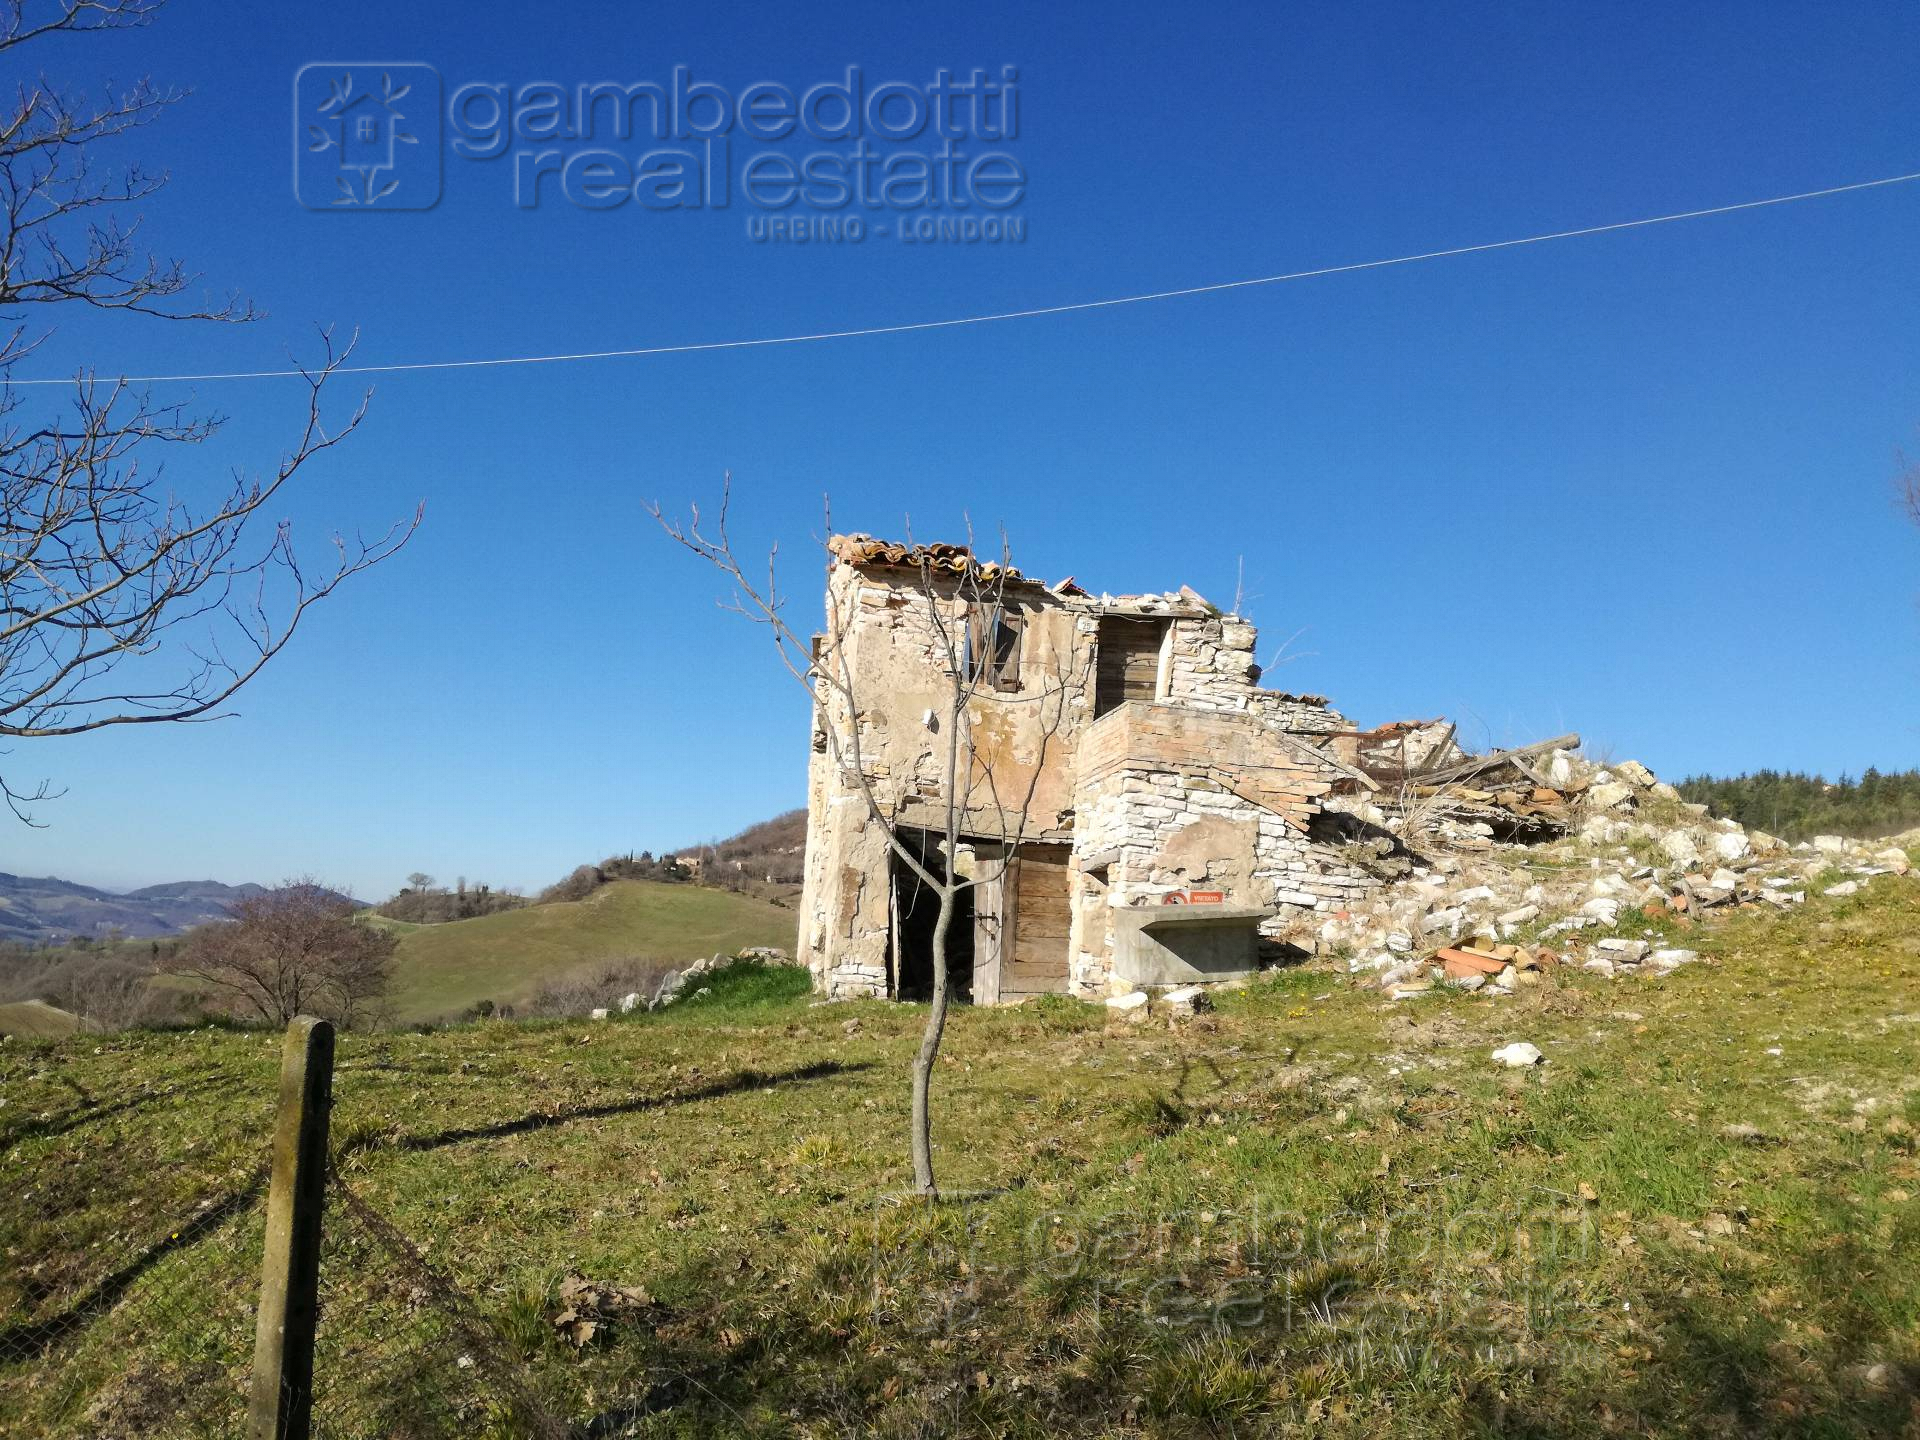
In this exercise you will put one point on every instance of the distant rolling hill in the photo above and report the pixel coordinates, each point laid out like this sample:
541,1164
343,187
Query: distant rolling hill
38,910
443,969
37,1020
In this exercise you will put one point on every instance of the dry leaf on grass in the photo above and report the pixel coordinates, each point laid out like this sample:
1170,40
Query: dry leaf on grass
587,1308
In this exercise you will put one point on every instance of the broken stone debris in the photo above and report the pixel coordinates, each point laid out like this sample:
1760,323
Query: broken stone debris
1180,1002
1519,1055
1185,1000
674,983
1610,855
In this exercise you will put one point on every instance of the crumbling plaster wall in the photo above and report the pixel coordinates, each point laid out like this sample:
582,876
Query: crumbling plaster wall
1015,753
1015,743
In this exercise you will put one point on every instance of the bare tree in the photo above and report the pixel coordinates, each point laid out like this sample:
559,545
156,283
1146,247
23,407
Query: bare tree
964,602
109,988
297,950
1907,487
120,603
109,991
419,880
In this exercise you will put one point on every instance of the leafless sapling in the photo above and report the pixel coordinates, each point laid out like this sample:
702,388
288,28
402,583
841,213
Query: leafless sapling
964,599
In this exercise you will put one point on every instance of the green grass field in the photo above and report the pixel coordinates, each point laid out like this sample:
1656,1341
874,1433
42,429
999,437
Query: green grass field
1313,1212
443,969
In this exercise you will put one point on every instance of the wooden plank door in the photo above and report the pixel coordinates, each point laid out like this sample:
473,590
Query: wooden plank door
1128,664
1038,904
989,902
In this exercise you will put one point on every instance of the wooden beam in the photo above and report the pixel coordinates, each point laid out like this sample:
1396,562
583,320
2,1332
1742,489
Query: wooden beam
1467,769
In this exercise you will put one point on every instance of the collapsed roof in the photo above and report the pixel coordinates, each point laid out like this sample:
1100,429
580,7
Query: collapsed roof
865,551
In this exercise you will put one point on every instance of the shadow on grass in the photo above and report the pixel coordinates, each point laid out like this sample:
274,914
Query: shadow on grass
87,1110
1716,1370
35,1337
547,1119
1713,1372
32,1339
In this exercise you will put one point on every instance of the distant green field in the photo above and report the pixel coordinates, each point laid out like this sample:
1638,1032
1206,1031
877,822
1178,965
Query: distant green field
445,968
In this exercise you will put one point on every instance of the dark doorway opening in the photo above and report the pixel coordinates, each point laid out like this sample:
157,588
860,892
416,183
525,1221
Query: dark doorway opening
916,910
1128,666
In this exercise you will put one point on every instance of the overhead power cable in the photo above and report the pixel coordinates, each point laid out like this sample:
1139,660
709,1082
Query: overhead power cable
909,327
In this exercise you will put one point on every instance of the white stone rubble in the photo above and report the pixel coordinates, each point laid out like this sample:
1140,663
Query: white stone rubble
1632,845
1519,1055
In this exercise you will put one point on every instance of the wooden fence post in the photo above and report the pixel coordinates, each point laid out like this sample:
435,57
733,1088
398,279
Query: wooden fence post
282,1404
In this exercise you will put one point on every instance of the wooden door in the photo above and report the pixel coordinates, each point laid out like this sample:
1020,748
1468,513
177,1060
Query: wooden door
1039,906
1128,666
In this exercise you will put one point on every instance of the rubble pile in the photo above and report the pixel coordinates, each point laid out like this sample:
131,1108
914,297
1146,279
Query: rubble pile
673,985
1424,781
1521,863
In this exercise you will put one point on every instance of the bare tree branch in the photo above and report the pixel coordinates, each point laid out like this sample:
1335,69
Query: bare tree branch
120,602
292,951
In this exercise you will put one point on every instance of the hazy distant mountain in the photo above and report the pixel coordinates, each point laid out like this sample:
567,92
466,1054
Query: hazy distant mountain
37,910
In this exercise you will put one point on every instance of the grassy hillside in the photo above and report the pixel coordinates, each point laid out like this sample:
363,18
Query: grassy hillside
442,969
1314,1212
35,1019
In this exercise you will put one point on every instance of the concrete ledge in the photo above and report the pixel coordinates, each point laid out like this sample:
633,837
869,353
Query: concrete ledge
1160,917
1185,944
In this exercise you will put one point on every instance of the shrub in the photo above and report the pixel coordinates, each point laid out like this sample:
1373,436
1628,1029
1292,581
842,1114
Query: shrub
577,886
600,988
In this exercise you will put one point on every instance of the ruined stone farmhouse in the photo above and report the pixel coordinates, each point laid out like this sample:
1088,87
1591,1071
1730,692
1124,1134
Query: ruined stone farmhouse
1136,810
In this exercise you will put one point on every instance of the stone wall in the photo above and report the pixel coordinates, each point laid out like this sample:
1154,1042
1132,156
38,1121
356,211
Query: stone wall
1299,714
1215,667
1265,764
1158,830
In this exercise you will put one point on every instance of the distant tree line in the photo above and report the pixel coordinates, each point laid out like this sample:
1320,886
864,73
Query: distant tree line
1795,806
764,860
104,981
583,880
421,902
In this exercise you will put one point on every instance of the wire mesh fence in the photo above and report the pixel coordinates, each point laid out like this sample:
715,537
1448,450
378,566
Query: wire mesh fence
132,1251
158,1341
402,1353
127,1334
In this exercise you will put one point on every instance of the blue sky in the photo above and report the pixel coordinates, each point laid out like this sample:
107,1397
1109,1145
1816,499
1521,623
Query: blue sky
1637,485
